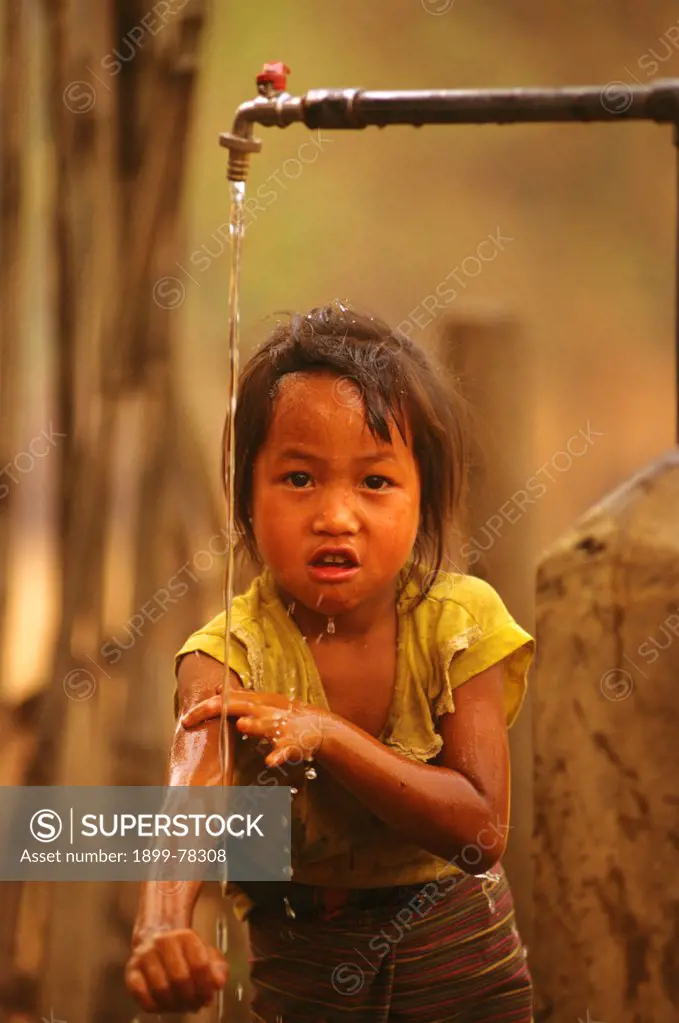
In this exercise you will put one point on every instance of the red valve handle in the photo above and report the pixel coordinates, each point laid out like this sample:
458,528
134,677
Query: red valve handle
274,75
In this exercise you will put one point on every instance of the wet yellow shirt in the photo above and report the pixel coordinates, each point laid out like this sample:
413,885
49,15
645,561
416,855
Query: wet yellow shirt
459,630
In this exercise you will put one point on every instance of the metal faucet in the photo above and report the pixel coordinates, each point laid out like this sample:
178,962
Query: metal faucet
341,109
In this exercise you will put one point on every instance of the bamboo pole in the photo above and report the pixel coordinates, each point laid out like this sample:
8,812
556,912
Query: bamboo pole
12,155
12,128
118,149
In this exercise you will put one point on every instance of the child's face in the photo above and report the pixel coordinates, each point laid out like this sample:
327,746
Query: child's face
332,493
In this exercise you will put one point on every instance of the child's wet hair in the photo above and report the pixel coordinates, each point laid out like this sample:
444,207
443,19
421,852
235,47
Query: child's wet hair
393,378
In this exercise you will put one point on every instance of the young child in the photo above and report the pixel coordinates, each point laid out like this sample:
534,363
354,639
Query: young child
398,681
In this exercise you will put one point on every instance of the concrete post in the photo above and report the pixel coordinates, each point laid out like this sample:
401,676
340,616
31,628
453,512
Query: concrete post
606,717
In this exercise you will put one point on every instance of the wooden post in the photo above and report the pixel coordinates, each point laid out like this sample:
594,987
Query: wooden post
606,723
493,361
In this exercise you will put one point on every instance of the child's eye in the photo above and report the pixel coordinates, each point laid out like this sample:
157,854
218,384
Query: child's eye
296,475
382,479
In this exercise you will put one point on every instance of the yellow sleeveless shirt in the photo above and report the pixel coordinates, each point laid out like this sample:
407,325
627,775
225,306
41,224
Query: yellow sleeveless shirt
459,630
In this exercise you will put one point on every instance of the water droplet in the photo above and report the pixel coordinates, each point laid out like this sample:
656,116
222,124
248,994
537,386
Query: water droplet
291,608
319,637
331,626
310,773
222,935
489,882
245,737
318,602
289,911
240,991
293,790
525,951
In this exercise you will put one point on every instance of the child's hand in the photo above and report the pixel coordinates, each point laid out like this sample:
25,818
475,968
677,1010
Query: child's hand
174,971
294,729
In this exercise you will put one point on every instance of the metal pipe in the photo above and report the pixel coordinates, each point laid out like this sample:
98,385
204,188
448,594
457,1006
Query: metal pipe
344,109
357,108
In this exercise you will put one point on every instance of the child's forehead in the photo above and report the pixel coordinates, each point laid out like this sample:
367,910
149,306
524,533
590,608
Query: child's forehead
318,408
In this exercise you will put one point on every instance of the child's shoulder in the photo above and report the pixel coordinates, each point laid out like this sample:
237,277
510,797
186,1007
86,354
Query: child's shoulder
465,627
246,628
455,596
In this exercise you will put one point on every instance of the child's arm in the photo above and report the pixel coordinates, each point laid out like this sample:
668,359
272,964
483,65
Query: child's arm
171,968
461,801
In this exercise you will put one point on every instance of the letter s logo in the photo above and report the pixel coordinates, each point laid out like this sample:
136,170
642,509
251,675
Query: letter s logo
45,825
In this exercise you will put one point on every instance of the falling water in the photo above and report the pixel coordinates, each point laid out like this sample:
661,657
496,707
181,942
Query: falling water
489,881
236,231
289,911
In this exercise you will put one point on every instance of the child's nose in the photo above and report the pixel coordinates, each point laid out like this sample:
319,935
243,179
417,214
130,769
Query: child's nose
337,509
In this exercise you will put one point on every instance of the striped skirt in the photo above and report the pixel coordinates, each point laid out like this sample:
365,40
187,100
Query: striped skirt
448,952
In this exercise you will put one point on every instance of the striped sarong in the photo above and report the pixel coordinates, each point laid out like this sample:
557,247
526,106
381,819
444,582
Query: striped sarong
451,952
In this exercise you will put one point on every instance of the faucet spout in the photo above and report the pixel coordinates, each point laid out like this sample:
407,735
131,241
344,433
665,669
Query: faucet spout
278,111
273,106
241,144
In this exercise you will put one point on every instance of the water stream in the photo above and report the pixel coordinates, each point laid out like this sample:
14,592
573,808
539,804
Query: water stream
236,231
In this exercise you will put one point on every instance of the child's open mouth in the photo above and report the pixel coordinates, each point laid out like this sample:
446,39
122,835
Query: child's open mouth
332,573
334,566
